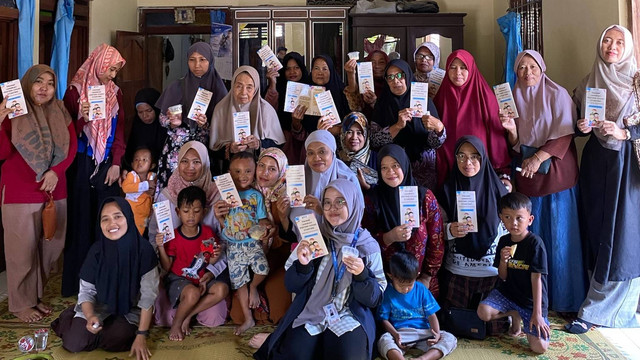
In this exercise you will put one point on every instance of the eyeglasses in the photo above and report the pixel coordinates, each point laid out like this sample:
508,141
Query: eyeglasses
463,158
338,204
391,77
420,57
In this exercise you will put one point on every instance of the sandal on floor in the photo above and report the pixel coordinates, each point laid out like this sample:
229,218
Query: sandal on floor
578,326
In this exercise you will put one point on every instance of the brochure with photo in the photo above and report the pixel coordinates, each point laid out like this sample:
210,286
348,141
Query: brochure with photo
418,102
467,214
302,94
269,58
365,77
162,210
328,107
296,189
505,100
409,210
595,106
12,91
241,126
435,80
97,102
310,232
200,103
228,191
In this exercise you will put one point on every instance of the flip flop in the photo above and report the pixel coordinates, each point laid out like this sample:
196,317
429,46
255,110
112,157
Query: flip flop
578,326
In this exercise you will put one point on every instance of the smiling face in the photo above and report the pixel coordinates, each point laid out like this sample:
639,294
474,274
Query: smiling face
190,166
243,89
354,138
333,215
198,64
112,221
469,160
528,71
267,171
612,47
319,156
110,74
292,72
458,72
391,171
43,89
378,63
242,172
397,86
320,72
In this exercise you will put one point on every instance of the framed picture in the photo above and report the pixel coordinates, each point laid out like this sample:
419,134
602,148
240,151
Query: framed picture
185,15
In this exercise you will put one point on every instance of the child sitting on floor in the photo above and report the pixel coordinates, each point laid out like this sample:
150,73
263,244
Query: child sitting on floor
408,314
189,286
522,266
244,252
139,186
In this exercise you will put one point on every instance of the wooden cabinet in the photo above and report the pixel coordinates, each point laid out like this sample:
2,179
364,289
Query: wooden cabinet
404,31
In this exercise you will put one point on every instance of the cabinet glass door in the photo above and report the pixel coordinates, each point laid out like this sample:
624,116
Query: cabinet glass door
444,43
384,42
251,37
292,35
328,40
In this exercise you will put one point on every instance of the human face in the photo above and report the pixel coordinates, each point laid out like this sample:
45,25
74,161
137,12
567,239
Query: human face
528,71
191,215
320,72
379,64
110,74
517,222
243,89
142,162
468,159
397,86
319,157
146,113
424,60
242,172
612,47
190,166
401,286
198,64
458,72
43,89
267,171
391,171
112,221
354,138
293,72
334,215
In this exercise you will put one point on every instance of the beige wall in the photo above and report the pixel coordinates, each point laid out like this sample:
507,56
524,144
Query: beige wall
107,16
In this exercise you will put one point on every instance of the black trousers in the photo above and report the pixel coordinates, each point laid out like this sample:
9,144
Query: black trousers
297,344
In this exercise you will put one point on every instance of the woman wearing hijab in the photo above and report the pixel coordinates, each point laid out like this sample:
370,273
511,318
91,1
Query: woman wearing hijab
118,286
265,130
393,233
146,130
469,275
426,58
354,138
543,134
610,189
94,173
37,148
366,101
468,106
330,317
393,122
193,170
180,129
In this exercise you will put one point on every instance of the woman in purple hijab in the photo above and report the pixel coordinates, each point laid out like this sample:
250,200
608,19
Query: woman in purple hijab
180,129
543,136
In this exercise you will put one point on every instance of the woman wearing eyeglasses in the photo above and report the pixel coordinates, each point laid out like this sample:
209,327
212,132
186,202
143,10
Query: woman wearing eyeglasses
469,275
393,231
393,122
426,58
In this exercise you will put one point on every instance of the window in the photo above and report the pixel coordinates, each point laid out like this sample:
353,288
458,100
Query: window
530,22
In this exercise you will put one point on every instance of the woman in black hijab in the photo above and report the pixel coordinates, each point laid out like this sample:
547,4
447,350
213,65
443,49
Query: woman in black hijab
146,130
118,287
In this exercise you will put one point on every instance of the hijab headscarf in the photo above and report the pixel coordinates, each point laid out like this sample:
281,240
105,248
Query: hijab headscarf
100,60
184,90
386,198
115,267
489,189
378,82
41,136
365,152
388,106
272,193
617,79
152,135
470,109
335,85
281,85
336,170
264,120
435,50
177,183
546,109
341,235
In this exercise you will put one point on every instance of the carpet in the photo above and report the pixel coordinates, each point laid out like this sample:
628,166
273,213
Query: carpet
220,343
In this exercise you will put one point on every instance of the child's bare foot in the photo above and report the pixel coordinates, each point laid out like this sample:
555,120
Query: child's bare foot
29,315
516,327
175,333
254,298
44,308
186,329
258,339
248,324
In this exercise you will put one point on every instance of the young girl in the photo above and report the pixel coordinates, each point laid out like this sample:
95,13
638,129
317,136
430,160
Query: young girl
120,266
348,288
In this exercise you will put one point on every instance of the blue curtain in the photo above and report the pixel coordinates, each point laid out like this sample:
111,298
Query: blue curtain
510,28
61,43
25,35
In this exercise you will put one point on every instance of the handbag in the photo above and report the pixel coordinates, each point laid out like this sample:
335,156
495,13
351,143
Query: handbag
49,218
634,119
464,323
528,151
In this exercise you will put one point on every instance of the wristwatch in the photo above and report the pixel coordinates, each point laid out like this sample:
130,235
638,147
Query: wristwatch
145,333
